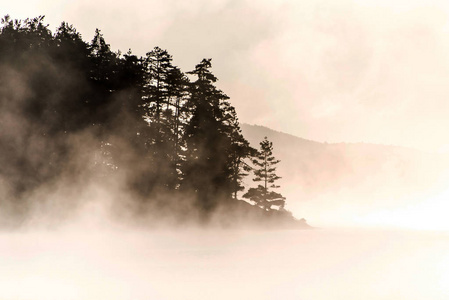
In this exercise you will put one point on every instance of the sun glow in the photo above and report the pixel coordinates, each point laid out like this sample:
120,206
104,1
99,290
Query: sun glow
430,214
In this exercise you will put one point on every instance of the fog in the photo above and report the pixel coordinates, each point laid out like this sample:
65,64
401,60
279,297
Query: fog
98,251
87,262
379,202
84,242
324,71
359,184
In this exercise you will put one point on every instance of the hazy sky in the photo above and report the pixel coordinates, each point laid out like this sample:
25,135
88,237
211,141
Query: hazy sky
367,70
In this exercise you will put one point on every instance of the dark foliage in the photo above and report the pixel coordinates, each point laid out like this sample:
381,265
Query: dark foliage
264,172
64,101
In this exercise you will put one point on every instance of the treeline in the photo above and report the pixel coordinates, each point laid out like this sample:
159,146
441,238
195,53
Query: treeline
171,132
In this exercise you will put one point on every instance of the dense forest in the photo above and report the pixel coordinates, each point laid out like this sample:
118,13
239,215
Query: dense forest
74,111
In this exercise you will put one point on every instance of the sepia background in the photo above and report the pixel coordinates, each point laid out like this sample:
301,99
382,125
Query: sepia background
354,97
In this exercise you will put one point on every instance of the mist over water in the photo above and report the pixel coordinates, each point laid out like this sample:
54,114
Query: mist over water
78,262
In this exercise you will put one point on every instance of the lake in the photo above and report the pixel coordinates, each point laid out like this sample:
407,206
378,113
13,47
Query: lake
325,264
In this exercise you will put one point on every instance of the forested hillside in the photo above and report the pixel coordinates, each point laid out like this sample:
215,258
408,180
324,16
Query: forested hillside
76,112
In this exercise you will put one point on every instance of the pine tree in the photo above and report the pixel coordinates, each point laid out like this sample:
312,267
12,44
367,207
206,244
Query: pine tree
162,101
207,167
158,65
264,172
104,79
178,115
238,152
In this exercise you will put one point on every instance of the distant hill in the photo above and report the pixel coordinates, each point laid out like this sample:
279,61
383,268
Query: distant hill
360,177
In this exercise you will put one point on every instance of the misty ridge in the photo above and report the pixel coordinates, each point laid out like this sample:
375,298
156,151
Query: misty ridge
318,167
85,127
322,180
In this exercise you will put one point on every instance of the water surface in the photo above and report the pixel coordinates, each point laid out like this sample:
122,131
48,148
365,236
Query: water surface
297,264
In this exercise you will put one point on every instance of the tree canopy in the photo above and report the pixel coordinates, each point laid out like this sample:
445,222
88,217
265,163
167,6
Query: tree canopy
62,97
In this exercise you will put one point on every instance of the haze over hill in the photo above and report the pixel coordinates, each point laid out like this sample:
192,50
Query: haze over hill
343,184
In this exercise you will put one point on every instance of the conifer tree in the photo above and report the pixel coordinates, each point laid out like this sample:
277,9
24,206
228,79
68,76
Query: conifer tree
164,93
104,79
155,94
158,65
207,167
238,152
264,172
178,115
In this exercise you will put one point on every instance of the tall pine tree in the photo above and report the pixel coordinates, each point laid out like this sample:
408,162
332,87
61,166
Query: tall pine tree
264,172
162,100
207,167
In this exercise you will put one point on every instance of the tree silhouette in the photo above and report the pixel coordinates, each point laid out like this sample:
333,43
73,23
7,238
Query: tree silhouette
207,167
78,110
164,94
264,172
238,152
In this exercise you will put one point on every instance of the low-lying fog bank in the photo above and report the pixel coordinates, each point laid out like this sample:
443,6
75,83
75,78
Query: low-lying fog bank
77,262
